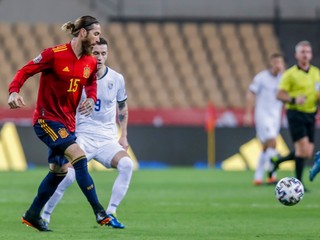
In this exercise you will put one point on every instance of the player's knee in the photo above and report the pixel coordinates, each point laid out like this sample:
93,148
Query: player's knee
71,176
303,154
125,164
57,169
79,163
308,155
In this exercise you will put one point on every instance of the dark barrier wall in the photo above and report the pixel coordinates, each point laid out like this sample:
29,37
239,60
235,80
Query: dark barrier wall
170,145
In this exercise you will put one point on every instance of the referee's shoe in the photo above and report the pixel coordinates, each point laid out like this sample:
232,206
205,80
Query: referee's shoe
315,168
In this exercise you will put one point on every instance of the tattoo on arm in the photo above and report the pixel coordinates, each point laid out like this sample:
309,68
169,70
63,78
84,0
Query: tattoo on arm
121,105
123,111
121,117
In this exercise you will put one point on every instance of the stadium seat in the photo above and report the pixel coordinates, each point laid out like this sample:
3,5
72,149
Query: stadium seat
268,38
42,33
252,46
178,64
115,29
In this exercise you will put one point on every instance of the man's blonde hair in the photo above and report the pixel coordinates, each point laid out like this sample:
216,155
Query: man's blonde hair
302,43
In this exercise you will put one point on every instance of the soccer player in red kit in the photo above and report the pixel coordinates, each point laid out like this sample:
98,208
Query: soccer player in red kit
65,70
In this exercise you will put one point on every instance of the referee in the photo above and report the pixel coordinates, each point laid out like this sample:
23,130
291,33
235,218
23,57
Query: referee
299,90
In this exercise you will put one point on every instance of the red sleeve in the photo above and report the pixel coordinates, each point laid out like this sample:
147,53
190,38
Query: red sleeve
91,86
43,61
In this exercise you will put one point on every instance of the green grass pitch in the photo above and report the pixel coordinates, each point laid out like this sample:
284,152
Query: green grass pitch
176,203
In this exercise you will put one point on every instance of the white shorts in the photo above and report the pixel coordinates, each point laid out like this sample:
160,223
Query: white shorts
267,130
102,151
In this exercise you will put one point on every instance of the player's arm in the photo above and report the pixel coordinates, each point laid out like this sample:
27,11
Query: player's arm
87,106
123,122
40,63
253,89
318,87
250,101
284,96
284,90
318,97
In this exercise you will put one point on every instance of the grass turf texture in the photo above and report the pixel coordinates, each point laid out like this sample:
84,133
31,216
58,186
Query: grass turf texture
166,204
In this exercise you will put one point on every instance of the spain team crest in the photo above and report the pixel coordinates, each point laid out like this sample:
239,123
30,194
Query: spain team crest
86,72
63,133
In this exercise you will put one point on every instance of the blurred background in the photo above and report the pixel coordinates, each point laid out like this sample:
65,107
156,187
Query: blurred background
187,66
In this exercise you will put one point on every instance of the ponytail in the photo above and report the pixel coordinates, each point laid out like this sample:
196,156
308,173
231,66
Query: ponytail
85,22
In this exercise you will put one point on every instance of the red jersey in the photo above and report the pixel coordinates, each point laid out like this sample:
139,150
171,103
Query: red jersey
63,77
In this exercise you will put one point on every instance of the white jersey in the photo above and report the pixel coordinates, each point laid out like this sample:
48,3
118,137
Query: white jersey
101,123
267,107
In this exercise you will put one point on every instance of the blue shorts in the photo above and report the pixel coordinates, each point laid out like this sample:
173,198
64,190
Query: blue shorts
57,137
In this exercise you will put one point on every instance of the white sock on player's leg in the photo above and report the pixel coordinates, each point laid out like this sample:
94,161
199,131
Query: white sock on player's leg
56,197
270,152
121,184
259,173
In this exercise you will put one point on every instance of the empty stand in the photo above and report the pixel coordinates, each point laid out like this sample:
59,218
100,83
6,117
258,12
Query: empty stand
269,41
43,35
165,65
252,46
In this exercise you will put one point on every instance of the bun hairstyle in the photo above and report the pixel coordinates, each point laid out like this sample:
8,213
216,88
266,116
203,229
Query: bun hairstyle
85,22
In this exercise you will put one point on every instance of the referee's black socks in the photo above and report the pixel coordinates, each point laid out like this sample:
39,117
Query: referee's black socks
288,157
299,167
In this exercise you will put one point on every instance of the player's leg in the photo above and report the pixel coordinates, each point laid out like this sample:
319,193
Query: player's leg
46,132
303,151
316,167
271,134
301,127
262,134
62,144
45,190
89,148
78,160
259,172
113,155
270,146
58,194
124,164
277,160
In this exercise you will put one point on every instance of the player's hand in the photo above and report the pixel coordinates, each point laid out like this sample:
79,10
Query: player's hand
247,119
300,100
15,100
86,107
123,141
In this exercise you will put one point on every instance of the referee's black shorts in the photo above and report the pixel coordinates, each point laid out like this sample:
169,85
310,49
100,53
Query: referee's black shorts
301,125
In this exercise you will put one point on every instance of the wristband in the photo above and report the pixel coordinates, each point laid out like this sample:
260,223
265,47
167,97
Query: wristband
293,101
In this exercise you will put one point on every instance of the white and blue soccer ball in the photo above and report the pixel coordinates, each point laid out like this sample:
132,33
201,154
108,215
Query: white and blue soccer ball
289,191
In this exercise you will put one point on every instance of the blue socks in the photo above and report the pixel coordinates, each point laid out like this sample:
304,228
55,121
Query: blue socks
85,182
50,183
47,187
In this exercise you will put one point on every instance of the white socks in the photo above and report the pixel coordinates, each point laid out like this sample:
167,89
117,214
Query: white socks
264,163
58,194
259,173
270,152
119,189
121,184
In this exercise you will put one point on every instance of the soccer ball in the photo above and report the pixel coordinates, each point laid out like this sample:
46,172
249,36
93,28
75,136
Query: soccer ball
289,191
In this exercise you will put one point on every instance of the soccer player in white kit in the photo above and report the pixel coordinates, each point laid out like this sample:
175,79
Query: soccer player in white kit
97,135
267,115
